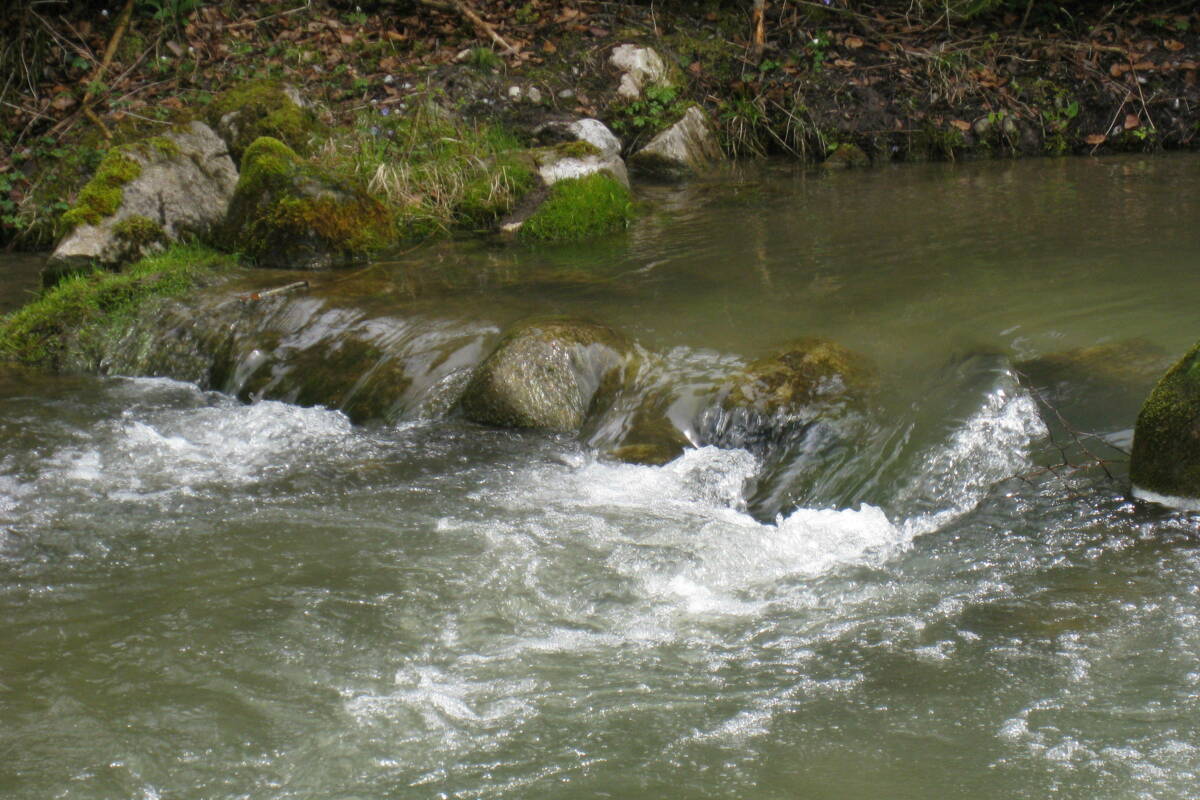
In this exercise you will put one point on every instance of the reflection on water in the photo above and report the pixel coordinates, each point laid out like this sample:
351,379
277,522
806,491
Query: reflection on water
201,597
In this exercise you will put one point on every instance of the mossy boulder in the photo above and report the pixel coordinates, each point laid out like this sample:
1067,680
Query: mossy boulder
1165,463
774,398
264,108
549,374
143,196
288,213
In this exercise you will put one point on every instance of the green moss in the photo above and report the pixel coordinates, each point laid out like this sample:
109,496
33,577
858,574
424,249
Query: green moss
1166,440
102,195
163,145
576,149
81,310
579,208
351,224
264,109
490,195
138,231
798,374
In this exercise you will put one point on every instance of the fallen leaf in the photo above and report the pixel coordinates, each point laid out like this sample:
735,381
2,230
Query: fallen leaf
549,47
599,33
1118,69
1173,45
172,102
175,48
883,47
1132,121
695,68
346,38
844,63
389,64
1095,139
853,42
962,125
396,36
62,102
1144,66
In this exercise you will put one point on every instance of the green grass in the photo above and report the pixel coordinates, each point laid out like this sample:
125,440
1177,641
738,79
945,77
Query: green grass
78,313
580,208
434,172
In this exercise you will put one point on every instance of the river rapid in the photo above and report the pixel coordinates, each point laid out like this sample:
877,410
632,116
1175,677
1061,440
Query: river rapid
207,595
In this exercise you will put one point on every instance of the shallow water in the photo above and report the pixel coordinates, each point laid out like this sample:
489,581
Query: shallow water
202,598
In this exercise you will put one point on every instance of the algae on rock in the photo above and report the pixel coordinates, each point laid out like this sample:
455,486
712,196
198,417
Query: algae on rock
579,208
549,374
1165,463
287,213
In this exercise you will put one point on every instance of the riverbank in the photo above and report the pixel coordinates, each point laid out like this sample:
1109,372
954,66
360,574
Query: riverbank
826,84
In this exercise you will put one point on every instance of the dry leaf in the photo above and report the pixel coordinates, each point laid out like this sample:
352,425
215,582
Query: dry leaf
1173,45
962,125
549,47
396,36
1132,121
1095,139
346,38
1118,69
62,102
853,42
1144,66
844,63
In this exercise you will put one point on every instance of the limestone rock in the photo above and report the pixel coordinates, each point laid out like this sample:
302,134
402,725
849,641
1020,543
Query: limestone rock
288,214
548,374
687,147
145,195
640,67
1165,463
589,130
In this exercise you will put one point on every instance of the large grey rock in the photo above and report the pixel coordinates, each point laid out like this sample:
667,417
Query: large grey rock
589,130
184,184
578,148
548,374
640,67
687,147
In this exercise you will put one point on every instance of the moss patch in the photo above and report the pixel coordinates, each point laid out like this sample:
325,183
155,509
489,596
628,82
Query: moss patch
288,212
138,231
799,374
1166,441
102,195
78,313
264,109
580,208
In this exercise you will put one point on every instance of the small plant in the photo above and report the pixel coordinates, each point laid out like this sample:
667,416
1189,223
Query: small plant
658,108
484,59
817,47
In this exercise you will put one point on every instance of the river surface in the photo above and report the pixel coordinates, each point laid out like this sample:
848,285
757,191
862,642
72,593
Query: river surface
202,597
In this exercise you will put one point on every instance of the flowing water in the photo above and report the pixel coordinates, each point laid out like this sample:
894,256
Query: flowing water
240,594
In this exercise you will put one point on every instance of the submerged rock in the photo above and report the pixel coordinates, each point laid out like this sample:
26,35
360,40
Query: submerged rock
687,147
1165,464
548,374
289,214
144,196
846,155
650,437
775,397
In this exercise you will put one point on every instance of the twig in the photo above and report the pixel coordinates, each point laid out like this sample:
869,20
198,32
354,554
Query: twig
109,52
465,11
291,287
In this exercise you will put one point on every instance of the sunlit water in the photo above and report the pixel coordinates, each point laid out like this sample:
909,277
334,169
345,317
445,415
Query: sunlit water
205,598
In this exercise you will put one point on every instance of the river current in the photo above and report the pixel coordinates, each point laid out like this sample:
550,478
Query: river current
203,597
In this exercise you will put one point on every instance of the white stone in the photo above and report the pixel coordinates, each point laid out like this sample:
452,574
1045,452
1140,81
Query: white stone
534,94
559,169
641,67
186,194
589,130
514,93
688,146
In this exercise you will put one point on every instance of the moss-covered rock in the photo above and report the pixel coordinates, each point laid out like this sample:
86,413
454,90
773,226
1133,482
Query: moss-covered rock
650,437
288,213
549,374
264,108
144,195
777,398
686,148
1165,463
580,208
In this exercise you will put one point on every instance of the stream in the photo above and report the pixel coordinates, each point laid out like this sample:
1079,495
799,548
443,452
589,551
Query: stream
263,557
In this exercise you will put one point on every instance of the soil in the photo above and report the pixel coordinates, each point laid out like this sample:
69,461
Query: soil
898,86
